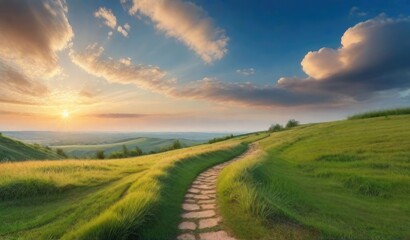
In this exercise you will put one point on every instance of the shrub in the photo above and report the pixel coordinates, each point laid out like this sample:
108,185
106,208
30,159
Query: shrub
275,128
61,152
125,150
176,145
214,140
100,154
117,155
292,123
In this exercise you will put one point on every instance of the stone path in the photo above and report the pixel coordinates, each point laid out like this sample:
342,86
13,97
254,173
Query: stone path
200,218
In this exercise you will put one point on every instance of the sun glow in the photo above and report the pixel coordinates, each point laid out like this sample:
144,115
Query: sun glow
65,113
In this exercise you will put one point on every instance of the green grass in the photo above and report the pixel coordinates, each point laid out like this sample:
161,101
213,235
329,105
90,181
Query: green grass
137,198
337,180
144,143
13,150
381,113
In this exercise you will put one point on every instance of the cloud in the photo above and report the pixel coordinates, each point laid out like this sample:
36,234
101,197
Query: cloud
120,71
107,16
355,11
13,80
248,94
110,21
120,115
127,27
186,22
122,31
246,71
374,56
32,32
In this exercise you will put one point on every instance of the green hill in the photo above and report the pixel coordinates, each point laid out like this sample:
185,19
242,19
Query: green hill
131,198
146,144
337,180
13,150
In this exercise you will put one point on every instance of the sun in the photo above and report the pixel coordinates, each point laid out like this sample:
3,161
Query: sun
65,113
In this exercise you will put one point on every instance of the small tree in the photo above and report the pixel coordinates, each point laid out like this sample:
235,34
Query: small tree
138,151
176,145
125,151
292,123
61,152
100,154
275,128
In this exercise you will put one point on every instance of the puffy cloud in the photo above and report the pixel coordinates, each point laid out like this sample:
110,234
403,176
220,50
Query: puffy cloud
122,70
122,31
186,22
246,71
107,16
32,32
374,56
110,20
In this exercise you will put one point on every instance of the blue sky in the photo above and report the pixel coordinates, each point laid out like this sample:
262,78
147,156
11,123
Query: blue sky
199,65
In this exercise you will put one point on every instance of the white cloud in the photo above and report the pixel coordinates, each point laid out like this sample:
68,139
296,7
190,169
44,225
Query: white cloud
122,70
107,16
127,26
355,11
122,31
246,71
186,22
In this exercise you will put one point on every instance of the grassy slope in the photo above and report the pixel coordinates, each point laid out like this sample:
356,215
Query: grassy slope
146,144
112,199
346,179
12,150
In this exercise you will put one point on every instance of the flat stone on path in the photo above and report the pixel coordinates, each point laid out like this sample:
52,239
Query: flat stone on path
189,195
208,191
200,214
208,206
193,190
201,197
206,201
190,206
186,236
209,222
187,226
219,235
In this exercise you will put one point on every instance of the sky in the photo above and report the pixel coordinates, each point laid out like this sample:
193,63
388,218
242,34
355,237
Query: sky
198,65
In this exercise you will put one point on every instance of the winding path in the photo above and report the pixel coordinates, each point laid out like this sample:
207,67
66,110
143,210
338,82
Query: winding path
200,218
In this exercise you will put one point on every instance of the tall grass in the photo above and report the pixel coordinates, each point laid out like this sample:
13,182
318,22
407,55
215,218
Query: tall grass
381,113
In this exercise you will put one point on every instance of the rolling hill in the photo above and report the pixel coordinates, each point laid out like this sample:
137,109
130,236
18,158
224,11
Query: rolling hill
13,150
337,180
132,198
146,144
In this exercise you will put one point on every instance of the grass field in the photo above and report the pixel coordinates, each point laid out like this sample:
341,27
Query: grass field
336,180
12,150
381,113
144,143
136,198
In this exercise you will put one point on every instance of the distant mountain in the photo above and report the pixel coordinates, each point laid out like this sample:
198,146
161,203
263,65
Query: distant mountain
146,144
13,150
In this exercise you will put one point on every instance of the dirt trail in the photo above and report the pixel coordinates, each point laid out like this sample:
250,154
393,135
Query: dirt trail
200,218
